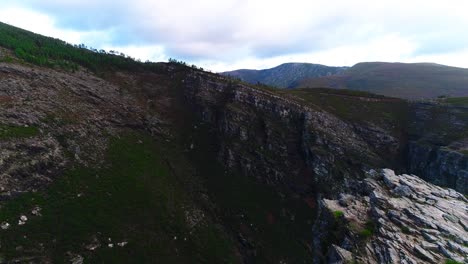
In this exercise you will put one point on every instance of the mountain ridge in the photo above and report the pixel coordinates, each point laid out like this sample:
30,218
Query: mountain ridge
284,75
425,80
404,80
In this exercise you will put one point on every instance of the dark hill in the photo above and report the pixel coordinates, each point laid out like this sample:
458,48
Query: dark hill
404,80
285,75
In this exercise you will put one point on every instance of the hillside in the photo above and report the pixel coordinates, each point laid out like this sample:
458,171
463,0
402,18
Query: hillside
284,75
403,80
131,162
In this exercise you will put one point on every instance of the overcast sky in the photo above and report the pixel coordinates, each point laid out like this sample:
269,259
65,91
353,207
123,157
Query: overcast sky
230,34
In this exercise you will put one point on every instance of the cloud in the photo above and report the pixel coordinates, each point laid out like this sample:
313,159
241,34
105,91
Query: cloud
231,32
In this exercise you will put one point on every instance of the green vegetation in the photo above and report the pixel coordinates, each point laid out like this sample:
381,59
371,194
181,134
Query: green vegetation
50,52
338,214
135,198
457,101
356,106
405,230
17,131
368,231
451,261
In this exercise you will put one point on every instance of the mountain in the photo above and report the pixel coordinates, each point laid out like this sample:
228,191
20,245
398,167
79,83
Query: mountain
403,80
104,159
284,75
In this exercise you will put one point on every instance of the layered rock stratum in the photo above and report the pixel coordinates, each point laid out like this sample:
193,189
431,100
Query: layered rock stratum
399,219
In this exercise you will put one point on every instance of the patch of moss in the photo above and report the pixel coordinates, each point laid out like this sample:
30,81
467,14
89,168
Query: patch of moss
6,59
405,230
368,231
338,214
451,261
7,132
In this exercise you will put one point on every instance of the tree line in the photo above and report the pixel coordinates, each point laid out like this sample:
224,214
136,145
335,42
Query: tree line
51,52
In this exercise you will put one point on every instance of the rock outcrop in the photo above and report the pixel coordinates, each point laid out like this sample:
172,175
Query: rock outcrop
398,219
439,165
438,145
281,141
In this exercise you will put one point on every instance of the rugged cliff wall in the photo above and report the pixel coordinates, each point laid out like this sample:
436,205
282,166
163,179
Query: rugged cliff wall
439,165
283,142
396,219
438,145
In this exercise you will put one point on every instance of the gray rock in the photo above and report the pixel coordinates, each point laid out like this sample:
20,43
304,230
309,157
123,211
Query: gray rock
423,254
435,227
403,190
338,255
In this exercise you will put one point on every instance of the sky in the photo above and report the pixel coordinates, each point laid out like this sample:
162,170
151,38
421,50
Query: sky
223,35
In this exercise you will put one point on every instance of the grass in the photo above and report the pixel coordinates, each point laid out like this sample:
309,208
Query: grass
135,198
451,261
338,214
7,132
458,101
368,231
7,59
356,106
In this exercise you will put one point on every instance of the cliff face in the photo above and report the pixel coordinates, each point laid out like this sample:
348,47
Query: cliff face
438,146
439,165
396,219
225,166
283,142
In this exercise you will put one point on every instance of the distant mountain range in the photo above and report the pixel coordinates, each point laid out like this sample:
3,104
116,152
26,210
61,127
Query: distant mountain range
285,75
403,80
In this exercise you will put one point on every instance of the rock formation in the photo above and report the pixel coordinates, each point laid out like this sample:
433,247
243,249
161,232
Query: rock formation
398,219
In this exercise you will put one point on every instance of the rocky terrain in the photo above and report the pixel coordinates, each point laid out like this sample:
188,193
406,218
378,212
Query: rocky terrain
46,114
283,141
170,163
397,219
437,150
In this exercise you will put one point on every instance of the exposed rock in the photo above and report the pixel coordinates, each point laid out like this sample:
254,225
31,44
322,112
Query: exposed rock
411,231
339,255
282,142
436,151
5,225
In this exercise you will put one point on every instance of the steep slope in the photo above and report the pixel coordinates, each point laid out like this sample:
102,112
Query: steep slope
160,162
130,144
403,80
285,75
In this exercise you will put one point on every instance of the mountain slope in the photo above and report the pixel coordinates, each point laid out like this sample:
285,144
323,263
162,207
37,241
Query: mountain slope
284,75
160,162
403,80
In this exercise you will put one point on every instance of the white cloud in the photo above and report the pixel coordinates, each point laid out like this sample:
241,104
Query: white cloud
229,34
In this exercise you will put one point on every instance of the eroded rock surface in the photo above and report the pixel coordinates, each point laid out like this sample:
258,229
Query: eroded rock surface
401,219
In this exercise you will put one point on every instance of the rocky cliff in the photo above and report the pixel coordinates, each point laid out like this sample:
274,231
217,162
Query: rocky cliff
437,150
282,141
396,219
235,173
